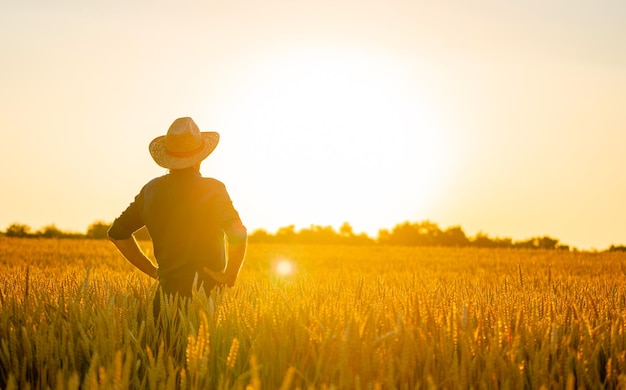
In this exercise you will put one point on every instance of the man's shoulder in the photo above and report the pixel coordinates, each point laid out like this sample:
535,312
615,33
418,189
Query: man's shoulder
212,182
155,181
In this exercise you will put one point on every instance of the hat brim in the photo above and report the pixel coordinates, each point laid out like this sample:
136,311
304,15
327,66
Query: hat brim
169,161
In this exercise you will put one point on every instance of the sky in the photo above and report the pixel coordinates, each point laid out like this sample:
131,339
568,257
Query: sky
502,117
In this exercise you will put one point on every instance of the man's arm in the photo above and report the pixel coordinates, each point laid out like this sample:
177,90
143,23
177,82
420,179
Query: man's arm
120,234
237,244
131,251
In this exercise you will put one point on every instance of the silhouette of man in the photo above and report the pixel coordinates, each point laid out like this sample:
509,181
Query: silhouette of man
188,217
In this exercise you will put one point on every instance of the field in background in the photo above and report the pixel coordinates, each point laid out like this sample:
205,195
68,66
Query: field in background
74,314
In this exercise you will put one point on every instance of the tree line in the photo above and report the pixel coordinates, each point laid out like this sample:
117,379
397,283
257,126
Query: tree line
97,230
424,233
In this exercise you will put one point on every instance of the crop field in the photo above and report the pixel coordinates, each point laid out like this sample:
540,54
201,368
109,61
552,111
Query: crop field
74,314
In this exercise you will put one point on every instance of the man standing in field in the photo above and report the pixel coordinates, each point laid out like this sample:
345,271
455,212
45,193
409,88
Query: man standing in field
188,217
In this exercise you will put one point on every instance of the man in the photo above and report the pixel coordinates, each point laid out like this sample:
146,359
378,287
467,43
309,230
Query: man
188,217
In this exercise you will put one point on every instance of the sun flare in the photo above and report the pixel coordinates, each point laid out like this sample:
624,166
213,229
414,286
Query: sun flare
339,130
284,267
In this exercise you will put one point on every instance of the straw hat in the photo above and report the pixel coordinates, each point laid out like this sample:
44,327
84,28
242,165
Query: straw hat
183,146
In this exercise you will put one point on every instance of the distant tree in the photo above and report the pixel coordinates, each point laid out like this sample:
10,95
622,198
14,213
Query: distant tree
345,230
482,240
503,242
546,242
405,234
348,237
453,236
98,230
529,244
17,230
617,248
286,234
360,239
423,233
317,234
50,231
384,236
429,233
260,235
538,243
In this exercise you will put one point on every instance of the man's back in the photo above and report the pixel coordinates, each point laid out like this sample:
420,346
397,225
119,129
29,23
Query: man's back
186,216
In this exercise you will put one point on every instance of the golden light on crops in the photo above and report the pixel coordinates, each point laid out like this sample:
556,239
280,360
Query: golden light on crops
379,323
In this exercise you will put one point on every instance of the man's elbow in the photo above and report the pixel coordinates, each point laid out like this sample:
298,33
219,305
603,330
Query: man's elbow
115,238
111,237
114,241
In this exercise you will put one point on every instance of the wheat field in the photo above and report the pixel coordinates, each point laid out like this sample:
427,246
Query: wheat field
74,314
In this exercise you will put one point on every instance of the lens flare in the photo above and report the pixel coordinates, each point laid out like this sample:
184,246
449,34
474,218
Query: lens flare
284,267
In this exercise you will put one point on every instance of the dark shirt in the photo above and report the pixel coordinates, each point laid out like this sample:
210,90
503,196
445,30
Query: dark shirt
187,216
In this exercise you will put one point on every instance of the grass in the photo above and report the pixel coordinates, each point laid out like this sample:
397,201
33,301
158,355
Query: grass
74,315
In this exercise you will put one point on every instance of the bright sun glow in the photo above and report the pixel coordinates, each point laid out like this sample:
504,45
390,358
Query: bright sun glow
332,133
284,268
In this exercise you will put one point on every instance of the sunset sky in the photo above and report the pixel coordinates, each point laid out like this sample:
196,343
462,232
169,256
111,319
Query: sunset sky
507,117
